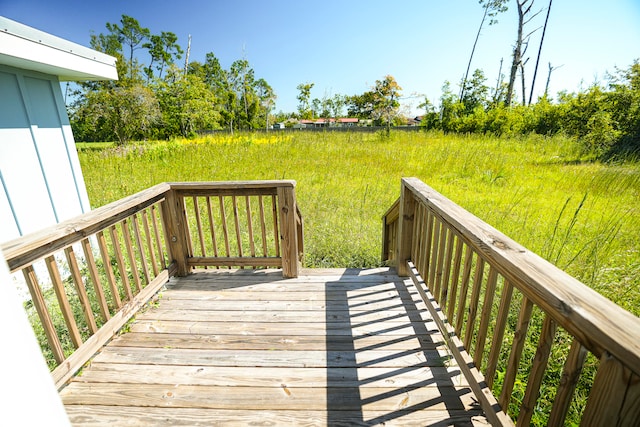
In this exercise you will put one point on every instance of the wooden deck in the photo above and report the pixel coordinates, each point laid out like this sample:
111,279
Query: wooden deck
331,347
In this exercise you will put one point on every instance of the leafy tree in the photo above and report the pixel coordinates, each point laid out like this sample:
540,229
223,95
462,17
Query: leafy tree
386,94
187,105
163,50
304,108
475,92
129,34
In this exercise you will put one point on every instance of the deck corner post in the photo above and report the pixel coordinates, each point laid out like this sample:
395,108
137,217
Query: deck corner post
288,231
173,214
405,229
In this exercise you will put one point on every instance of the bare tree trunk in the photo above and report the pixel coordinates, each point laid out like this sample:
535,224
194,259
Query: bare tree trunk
517,53
186,59
496,94
473,50
551,69
535,70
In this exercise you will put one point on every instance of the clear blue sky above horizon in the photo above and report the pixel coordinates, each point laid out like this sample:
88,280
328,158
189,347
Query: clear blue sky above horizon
345,46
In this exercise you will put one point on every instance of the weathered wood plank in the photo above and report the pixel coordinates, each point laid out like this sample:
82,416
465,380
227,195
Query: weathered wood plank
250,376
259,398
97,415
277,342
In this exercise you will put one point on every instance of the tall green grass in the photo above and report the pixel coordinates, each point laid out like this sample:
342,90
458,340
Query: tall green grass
583,216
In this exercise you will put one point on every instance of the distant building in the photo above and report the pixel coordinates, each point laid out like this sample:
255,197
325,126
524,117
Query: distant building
41,182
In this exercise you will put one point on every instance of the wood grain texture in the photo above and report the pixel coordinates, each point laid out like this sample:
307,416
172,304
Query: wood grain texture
316,350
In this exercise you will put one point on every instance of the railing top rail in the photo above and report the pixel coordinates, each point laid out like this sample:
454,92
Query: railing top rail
598,323
25,250
231,185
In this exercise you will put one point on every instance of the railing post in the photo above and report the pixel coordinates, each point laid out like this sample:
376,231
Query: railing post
173,213
405,229
288,231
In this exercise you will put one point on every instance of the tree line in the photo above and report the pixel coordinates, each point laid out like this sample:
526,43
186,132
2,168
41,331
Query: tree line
163,97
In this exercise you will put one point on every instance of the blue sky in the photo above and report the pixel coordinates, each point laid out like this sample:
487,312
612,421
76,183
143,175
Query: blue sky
345,46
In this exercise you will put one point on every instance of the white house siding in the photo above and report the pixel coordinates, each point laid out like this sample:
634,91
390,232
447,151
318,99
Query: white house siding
40,176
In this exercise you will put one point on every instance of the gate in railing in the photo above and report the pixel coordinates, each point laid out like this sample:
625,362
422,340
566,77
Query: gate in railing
104,265
518,326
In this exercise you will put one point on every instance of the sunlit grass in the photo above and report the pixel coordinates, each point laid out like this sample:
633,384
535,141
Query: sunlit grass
583,216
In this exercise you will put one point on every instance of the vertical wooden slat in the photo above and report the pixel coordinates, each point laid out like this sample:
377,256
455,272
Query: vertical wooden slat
63,301
147,235
276,232
464,288
196,209
434,246
212,229
444,292
519,337
124,275
80,289
252,246
405,229
141,252
288,232
45,319
225,230
417,243
263,227
132,258
538,369
108,270
236,222
498,332
159,247
614,399
426,234
95,278
440,262
473,302
455,278
485,317
570,376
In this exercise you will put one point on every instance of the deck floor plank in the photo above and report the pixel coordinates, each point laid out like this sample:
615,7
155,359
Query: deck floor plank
332,347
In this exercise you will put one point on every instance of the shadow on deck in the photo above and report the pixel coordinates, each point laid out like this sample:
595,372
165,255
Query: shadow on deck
331,347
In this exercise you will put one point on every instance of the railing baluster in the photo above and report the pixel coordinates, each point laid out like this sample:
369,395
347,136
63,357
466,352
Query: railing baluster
519,338
440,263
225,231
252,247
63,301
455,278
426,239
132,258
147,235
276,232
141,252
444,291
498,332
464,288
212,228
236,222
434,253
485,317
124,275
417,244
45,318
111,278
80,289
537,371
156,233
196,209
473,303
570,376
263,226
95,278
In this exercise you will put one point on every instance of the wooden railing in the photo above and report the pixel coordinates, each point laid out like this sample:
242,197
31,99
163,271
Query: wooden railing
511,318
104,265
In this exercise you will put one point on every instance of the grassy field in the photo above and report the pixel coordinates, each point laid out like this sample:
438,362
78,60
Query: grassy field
583,216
